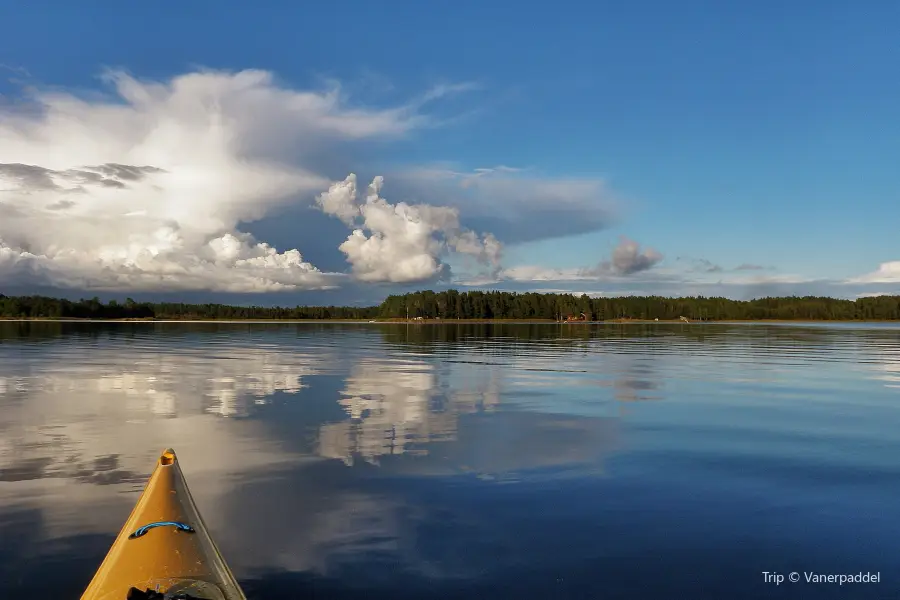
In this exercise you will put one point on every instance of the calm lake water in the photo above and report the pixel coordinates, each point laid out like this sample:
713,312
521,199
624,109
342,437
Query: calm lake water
470,461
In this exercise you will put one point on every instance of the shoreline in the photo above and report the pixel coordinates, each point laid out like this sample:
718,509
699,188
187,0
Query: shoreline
402,321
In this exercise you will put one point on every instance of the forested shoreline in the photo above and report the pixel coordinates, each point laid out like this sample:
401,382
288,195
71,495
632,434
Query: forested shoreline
453,304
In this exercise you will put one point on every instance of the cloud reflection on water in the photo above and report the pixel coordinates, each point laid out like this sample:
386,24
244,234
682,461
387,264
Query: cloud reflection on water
395,404
84,420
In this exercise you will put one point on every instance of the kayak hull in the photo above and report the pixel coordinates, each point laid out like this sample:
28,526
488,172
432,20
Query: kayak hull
164,546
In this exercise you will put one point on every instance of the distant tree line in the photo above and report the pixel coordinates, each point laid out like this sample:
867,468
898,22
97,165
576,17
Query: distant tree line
453,304
55,308
509,305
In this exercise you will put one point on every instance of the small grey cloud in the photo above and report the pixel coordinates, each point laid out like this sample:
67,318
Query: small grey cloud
125,172
708,266
30,177
86,177
627,259
749,267
110,175
79,176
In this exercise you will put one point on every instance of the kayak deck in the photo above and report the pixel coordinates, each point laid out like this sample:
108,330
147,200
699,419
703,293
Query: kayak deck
164,549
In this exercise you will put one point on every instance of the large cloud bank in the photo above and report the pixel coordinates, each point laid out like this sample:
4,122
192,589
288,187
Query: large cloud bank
145,189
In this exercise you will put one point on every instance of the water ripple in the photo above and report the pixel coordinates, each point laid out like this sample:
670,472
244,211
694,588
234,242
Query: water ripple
376,458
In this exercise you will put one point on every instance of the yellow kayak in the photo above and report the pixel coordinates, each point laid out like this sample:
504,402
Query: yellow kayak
164,551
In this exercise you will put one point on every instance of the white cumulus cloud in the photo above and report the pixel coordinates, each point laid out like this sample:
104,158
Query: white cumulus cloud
888,272
401,242
144,188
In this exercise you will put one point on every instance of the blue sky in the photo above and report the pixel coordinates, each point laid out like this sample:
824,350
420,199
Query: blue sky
759,134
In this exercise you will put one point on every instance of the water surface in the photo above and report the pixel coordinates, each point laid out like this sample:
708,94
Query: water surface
462,461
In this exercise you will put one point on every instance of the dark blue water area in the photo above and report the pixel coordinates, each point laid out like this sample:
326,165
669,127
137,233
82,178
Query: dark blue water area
463,462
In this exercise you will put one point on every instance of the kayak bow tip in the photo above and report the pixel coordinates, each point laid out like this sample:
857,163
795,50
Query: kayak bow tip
167,457
164,550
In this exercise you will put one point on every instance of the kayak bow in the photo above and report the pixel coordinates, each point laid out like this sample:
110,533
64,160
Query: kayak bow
164,550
